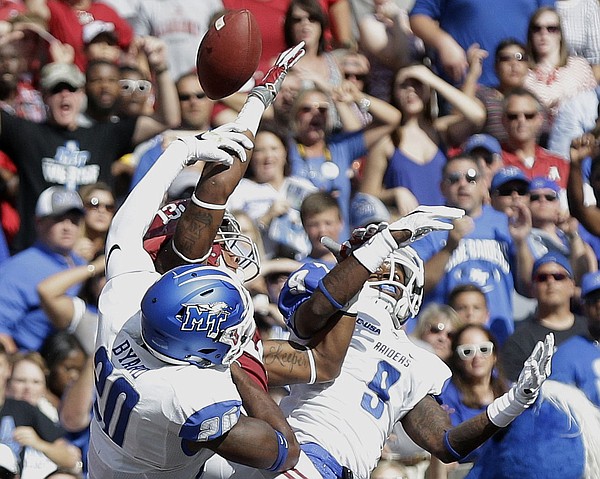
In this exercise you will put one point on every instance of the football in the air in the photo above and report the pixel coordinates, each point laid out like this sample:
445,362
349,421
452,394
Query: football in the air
229,53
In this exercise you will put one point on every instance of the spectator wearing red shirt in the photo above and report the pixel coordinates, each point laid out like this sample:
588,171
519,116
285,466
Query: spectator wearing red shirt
523,121
66,19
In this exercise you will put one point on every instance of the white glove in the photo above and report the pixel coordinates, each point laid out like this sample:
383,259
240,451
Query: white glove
425,219
218,145
358,237
419,222
268,88
523,394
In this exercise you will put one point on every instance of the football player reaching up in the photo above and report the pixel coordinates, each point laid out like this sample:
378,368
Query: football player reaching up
385,378
166,398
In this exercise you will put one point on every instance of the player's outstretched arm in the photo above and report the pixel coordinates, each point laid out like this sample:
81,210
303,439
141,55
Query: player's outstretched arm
348,277
199,223
428,425
124,249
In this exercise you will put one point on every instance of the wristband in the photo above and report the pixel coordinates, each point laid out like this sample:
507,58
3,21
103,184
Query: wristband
376,250
313,369
327,294
505,409
185,258
282,452
449,447
208,206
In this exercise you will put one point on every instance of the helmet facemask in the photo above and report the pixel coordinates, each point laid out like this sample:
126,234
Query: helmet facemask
402,297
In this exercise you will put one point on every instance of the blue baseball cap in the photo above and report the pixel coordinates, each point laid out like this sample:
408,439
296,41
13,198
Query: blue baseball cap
590,283
506,174
482,140
541,182
552,257
366,209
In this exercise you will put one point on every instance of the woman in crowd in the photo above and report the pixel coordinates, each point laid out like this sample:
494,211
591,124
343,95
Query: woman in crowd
436,326
476,381
272,198
406,169
99,203
325,159
565,84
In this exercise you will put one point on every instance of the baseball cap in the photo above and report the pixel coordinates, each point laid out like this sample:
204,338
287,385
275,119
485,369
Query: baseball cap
54,73
8,460
57,200
552,257
506,174
482,140
540,182
96,28
590,283
366,209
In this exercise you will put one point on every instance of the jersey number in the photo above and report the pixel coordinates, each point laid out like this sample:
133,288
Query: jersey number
113,396
385,377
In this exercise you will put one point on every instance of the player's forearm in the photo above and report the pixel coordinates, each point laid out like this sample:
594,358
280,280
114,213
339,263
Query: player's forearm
137,212
468,436
259,405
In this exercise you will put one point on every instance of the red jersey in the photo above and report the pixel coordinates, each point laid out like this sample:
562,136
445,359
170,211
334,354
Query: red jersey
546,164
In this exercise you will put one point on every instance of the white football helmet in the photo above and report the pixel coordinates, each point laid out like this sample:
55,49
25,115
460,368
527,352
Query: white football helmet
401,299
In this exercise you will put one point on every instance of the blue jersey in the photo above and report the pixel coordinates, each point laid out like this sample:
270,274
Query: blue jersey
485,257
577,362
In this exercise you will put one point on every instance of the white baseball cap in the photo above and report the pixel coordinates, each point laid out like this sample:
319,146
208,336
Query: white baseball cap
57,200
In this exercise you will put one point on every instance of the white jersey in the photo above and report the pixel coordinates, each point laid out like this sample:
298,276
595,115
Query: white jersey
145,407
384,375
147,410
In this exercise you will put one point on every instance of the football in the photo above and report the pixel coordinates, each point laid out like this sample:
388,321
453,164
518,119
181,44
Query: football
229,53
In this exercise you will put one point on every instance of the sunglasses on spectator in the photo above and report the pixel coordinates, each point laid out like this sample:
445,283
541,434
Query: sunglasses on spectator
521,190
320,107
544,277
512,116
470,176
507,57
547,196
439,328
549,28
468,351
129,87
310,18
356,76
95,204
187,96
63,86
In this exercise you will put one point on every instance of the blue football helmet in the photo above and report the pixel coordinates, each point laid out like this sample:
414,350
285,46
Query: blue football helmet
198,315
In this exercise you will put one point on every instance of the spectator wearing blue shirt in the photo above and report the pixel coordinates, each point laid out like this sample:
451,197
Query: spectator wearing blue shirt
484,248
577,360
23,324
449,28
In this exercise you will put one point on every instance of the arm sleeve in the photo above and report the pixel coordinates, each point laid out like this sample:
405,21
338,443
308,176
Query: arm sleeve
124,245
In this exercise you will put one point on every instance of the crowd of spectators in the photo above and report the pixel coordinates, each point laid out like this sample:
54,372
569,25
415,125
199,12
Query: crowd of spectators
491,107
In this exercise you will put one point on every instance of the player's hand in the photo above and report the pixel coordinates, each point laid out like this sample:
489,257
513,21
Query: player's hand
535,371
268,88
220,145
358,237
425,219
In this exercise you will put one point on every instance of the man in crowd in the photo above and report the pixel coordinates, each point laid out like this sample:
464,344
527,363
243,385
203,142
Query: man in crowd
553,287
484,248
23,323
